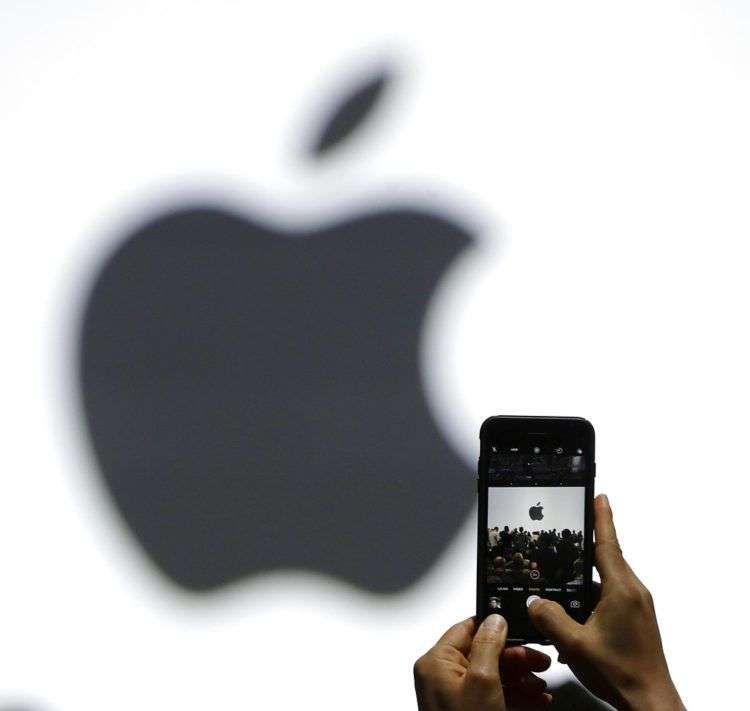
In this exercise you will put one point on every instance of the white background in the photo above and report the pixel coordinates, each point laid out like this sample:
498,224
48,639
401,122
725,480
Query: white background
600,150
562,507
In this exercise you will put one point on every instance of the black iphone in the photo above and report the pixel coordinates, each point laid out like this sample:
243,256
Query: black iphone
535,535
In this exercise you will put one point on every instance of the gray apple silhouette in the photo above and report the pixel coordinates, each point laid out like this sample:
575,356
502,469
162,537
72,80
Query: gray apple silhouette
254,398
535,512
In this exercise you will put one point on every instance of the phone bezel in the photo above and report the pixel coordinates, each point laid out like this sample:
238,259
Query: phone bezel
525,431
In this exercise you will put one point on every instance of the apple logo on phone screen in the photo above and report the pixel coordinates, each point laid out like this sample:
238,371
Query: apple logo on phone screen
254,396
535,512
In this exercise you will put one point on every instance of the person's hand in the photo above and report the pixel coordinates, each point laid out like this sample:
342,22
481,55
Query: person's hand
470,669
617,654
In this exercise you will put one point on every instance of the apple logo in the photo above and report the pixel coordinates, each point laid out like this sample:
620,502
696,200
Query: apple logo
535,512
253,396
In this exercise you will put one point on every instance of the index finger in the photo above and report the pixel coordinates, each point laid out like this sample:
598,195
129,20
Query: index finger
609,560
459,636
519,661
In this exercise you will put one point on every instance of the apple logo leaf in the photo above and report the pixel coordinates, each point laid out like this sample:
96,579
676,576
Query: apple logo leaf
350,113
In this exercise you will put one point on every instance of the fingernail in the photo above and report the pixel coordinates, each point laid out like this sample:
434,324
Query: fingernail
532,598
604,498
495,622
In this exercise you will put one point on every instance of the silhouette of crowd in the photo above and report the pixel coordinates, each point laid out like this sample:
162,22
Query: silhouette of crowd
521,557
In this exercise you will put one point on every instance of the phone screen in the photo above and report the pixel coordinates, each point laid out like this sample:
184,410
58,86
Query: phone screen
536,536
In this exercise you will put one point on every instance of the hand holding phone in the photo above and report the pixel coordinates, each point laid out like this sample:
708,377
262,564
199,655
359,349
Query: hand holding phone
618,653
470,667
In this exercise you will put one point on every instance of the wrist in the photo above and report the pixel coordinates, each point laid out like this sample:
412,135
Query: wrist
659,696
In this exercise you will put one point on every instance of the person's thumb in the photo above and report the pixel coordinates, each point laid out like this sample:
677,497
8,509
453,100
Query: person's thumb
484,658
552,621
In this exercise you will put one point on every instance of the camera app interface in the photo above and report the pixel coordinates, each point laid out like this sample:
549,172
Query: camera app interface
535,536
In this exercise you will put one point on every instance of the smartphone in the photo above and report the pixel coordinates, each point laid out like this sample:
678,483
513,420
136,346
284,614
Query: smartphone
535,533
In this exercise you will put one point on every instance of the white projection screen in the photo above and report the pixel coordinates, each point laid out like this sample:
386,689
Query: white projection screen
569,182
561,507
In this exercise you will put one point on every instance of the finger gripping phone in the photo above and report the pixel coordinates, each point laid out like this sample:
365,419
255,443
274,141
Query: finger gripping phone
535,527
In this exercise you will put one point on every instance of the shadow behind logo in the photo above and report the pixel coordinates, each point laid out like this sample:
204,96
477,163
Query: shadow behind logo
254,397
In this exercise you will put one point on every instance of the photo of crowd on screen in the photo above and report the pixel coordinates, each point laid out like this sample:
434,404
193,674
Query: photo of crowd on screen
544,557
